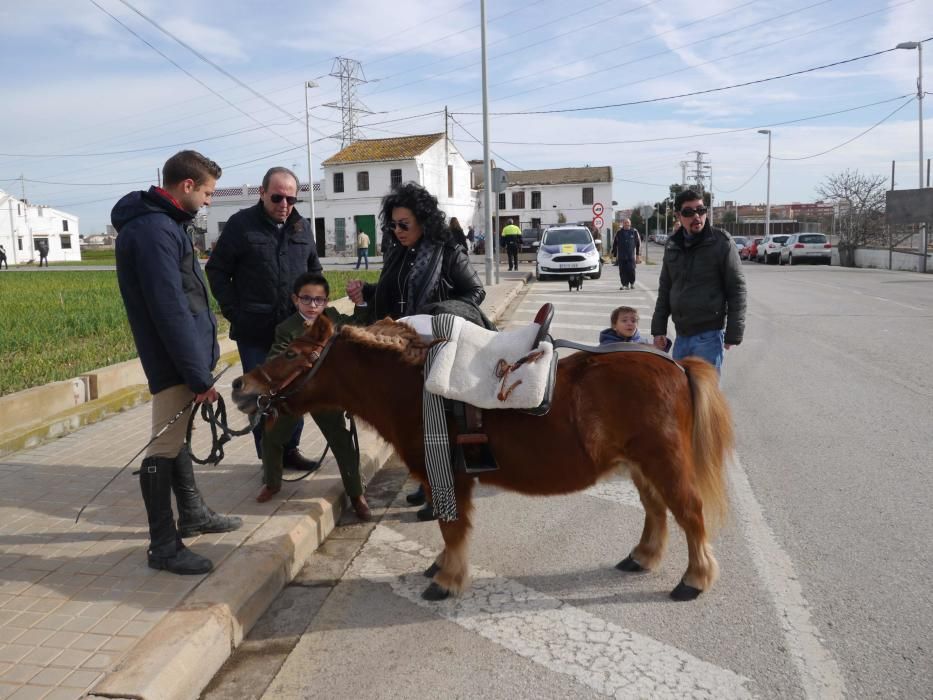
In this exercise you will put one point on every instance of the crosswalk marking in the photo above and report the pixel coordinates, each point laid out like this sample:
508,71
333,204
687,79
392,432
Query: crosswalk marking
610,659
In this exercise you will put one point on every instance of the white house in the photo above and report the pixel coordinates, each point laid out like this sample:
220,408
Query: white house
355,180
542,198
24,225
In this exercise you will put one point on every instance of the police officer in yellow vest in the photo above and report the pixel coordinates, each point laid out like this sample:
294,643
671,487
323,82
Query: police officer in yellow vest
512,238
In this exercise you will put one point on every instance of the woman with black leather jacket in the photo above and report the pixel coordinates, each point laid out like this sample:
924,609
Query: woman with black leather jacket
424,271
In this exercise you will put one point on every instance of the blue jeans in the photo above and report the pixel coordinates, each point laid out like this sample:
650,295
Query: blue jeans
362,255
251,356
709,345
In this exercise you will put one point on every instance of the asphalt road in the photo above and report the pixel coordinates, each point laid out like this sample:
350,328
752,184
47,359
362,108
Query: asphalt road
825,585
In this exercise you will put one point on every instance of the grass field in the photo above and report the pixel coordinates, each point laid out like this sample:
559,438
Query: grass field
58,325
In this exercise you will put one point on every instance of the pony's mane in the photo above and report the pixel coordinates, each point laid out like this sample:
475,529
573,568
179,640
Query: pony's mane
390,335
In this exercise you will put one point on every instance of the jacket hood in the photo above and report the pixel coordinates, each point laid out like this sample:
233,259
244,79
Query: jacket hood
140,203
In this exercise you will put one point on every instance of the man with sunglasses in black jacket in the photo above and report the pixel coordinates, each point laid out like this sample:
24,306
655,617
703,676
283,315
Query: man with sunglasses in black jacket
701,287
260,253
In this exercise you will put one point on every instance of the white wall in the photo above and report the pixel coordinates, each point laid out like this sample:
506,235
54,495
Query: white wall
565,199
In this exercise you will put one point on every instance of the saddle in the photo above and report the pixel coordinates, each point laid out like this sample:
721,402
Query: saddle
470,446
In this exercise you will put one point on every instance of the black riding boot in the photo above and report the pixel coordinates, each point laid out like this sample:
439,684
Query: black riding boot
165,548
194,516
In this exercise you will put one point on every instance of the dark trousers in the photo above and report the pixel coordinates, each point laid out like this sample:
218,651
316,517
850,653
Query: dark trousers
251,356
335,431
362,255
627,271
511,249
4,262
43,258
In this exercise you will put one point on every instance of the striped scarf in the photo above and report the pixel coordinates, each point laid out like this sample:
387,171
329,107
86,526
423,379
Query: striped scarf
436,439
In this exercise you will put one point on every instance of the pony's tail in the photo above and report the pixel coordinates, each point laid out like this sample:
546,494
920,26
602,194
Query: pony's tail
713,437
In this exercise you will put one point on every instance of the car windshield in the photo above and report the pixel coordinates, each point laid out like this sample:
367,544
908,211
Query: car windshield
813,238
780,239
567,235
740,240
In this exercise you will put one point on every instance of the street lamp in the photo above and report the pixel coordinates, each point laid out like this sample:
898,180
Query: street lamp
310,84
923,229
768,195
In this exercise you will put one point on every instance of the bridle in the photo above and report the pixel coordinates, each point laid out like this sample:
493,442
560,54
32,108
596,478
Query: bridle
271,401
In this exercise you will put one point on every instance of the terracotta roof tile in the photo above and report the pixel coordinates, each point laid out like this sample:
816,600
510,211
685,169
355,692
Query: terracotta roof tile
367,150
560,176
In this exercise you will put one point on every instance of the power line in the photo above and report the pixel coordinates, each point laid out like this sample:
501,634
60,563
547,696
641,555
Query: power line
830,150
502,158
186,72
213,65
702,134
688,94
757,170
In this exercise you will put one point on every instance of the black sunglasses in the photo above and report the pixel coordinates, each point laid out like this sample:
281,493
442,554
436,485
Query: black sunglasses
276,198
689,212
392,225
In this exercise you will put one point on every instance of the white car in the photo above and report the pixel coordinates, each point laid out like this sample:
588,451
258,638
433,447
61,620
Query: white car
799,247
568,250
769,250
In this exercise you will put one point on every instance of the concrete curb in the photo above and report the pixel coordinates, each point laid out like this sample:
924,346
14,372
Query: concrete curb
181,654
63,422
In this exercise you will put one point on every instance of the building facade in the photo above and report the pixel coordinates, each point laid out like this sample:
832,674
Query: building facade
542,198
23,226
355,180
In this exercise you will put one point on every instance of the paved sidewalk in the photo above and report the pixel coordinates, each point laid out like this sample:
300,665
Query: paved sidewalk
80,611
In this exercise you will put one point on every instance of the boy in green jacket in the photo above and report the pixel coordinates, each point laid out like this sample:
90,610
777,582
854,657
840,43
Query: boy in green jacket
310,294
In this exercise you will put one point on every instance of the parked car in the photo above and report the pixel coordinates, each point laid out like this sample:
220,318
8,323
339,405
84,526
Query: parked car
568,250
751,250
660,238
800,247
769,250
741,243
531,237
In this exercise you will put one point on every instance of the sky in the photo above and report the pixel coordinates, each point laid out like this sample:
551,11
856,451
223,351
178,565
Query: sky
99,93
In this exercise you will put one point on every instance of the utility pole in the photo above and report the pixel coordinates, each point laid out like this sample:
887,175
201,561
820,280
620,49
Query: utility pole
158,177
487,169
447,151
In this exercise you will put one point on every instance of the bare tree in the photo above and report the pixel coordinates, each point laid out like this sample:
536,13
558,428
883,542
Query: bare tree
859,200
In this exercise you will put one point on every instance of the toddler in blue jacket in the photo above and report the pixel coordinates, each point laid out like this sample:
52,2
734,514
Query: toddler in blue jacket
624,328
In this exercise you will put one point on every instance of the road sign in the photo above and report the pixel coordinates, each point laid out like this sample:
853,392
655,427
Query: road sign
646,210
598,223
500,180
598,209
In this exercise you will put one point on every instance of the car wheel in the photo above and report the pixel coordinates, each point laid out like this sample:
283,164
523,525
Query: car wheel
538,276
599,273
790,259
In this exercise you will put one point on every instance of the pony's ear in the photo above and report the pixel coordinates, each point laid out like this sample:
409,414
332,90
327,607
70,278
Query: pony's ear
322,329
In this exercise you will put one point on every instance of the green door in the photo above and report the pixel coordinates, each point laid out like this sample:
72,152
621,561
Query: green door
367,224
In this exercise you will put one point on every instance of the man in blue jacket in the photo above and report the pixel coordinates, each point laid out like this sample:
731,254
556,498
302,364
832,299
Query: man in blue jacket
262,250
168,308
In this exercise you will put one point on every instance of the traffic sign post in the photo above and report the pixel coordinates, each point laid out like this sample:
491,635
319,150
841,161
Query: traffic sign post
598,224
598,209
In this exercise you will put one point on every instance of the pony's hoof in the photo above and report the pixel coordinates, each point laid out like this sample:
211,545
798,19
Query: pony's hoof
432,570
684,592
435,593
630,565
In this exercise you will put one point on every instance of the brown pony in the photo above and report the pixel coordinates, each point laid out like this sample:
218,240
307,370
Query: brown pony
668,426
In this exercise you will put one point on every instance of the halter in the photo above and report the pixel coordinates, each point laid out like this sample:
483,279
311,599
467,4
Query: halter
269,401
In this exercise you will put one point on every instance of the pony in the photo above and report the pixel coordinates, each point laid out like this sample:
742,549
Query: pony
666,424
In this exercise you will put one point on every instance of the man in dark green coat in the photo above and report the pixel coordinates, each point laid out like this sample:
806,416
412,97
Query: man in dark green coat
310,294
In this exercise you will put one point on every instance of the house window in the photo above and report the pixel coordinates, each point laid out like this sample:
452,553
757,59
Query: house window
66,242
518,200
395,177
64,225
338,182
220,227
362,181
340,233
535,200
502,200
587,195
450,181
19,212
20,241
536,223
